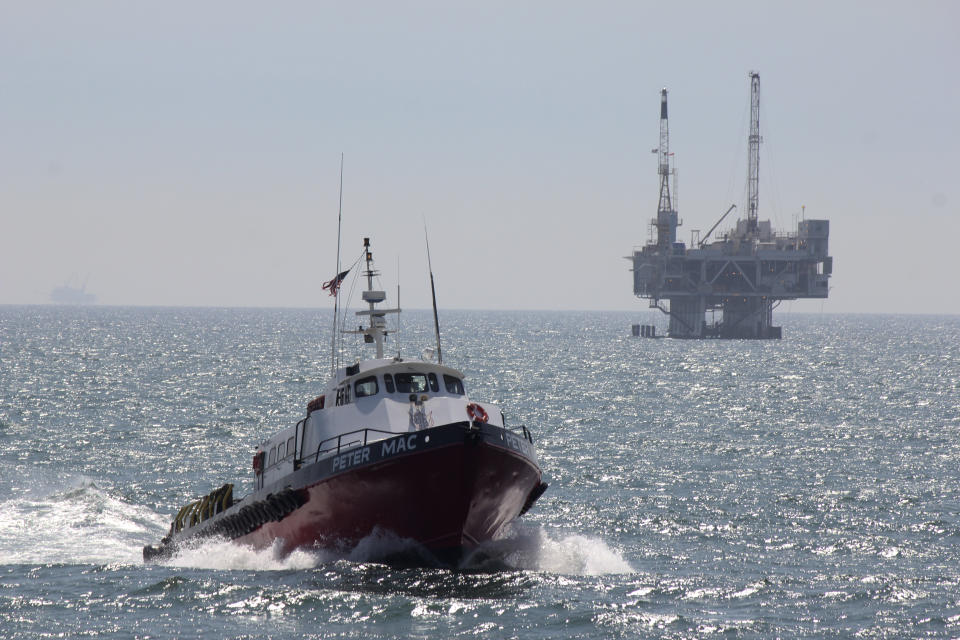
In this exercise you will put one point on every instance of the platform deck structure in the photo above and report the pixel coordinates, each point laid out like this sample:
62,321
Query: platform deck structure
742,276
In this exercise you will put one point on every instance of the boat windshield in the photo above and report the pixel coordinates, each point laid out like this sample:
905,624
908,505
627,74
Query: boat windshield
410,382
453,385
366,387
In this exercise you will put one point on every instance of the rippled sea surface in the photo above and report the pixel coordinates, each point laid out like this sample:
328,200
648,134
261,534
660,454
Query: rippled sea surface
807,487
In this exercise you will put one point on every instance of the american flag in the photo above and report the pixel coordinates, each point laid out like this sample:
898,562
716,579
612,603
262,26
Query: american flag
334,285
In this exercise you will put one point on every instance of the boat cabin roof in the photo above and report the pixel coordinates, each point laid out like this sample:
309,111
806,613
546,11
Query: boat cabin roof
390,365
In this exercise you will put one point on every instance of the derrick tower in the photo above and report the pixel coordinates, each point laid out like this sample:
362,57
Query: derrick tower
744,274
666,222
753,156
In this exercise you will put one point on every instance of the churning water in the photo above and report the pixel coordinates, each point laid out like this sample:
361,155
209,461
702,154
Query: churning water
806,487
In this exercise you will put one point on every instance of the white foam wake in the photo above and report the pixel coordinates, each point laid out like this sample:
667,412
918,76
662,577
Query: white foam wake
223,555
73,521
220,553
526,547
532,548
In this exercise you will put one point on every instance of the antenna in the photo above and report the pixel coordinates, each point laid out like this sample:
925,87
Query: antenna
398,306
336,298
433,292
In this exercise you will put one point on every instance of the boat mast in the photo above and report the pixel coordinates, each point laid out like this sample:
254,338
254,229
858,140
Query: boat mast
376,331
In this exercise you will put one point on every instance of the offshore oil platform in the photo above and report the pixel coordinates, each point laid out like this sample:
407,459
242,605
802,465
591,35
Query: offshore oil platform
743,275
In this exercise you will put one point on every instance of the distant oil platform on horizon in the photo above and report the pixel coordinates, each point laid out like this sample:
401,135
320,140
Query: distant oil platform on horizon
68,294
743,275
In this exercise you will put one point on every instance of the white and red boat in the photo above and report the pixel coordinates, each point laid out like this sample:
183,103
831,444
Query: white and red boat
393,445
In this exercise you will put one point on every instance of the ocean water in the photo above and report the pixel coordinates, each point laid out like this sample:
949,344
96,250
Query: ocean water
807,487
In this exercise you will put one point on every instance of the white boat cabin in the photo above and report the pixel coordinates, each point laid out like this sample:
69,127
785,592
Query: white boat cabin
371,400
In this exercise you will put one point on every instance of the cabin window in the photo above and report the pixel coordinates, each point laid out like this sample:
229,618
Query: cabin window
290,444
281,451
388,383
366,387
411,382
273,457
434,385
343,395
453,385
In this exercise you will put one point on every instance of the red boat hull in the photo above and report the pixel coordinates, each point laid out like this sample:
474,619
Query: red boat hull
449,489
450,497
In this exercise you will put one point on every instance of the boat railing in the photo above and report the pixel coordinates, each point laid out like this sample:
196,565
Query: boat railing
356,441
361,437
523,429
526,433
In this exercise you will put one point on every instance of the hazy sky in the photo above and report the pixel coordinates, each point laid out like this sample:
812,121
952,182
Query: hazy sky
187,153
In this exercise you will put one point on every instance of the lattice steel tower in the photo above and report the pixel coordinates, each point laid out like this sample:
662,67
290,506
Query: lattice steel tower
666,215
753,163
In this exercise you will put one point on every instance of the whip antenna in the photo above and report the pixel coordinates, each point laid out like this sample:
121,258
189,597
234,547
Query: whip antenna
433,292
398,306
336,298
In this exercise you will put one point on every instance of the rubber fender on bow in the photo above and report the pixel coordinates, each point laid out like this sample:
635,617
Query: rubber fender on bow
233,526
226,500
177,524
270,510
281,505
202,512
248,519
289,501
263,516
224,526
296,498
215,529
